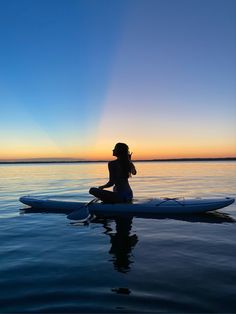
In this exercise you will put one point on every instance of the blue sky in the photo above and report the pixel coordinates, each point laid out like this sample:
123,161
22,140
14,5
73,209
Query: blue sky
78,76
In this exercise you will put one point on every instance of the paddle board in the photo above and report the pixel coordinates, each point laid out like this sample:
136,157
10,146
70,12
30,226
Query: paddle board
138,207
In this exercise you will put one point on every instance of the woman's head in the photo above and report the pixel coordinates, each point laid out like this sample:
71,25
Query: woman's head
121,150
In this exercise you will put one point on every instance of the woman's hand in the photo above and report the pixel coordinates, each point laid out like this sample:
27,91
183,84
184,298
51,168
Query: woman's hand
133,169
101,187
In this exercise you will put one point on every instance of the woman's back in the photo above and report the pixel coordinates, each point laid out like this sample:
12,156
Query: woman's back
118,176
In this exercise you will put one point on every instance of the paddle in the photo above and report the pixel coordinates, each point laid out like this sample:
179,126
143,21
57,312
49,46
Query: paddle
82,213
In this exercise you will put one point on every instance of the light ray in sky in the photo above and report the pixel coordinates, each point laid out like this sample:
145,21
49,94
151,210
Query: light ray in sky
78,76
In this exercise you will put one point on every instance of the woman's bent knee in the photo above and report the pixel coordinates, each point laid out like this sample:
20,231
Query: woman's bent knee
93,191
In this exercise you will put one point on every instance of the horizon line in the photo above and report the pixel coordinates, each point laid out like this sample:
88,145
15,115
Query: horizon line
44,161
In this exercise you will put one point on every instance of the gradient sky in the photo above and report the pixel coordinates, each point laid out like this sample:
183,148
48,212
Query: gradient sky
78,76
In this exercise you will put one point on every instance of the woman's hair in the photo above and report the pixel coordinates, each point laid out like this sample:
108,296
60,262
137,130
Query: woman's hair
122,151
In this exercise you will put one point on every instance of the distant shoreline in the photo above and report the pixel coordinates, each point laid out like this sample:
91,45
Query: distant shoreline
138,160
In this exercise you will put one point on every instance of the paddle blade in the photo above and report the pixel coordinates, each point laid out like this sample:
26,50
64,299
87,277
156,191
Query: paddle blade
81,214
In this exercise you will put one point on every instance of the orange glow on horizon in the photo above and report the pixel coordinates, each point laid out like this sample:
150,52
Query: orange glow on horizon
100,152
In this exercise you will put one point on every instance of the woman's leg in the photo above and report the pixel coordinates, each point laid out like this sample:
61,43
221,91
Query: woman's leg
105,196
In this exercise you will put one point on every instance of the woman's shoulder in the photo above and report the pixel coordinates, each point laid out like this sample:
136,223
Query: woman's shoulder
113,162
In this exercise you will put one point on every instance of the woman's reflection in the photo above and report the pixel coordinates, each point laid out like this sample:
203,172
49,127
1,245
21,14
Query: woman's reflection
122,243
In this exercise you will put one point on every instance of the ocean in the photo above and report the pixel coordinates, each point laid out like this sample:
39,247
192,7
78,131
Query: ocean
184,264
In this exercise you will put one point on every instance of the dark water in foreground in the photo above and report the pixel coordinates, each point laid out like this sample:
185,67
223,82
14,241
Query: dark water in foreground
180,265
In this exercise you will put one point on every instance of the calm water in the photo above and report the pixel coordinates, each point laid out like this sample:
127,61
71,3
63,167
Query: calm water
181,265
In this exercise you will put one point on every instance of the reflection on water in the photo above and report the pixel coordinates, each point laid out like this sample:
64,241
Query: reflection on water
122,243
121,290
213,217
61,267
173,179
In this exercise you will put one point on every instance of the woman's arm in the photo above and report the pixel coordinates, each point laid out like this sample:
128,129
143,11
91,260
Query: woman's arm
133,169
111,177
107,185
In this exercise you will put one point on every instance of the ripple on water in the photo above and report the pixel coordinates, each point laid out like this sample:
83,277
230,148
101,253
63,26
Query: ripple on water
178,265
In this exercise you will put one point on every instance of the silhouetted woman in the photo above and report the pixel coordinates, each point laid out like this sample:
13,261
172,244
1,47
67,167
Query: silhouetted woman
119,172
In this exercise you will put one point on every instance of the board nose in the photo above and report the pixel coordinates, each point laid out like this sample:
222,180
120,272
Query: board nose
230,200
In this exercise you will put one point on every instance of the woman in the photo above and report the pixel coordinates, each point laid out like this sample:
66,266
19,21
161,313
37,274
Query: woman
119,172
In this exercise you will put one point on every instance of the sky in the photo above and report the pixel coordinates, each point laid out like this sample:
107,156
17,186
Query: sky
78,76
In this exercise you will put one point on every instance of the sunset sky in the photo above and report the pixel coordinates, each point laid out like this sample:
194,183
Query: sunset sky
78,76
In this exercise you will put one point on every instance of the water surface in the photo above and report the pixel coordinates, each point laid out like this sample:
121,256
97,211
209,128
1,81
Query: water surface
166,265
